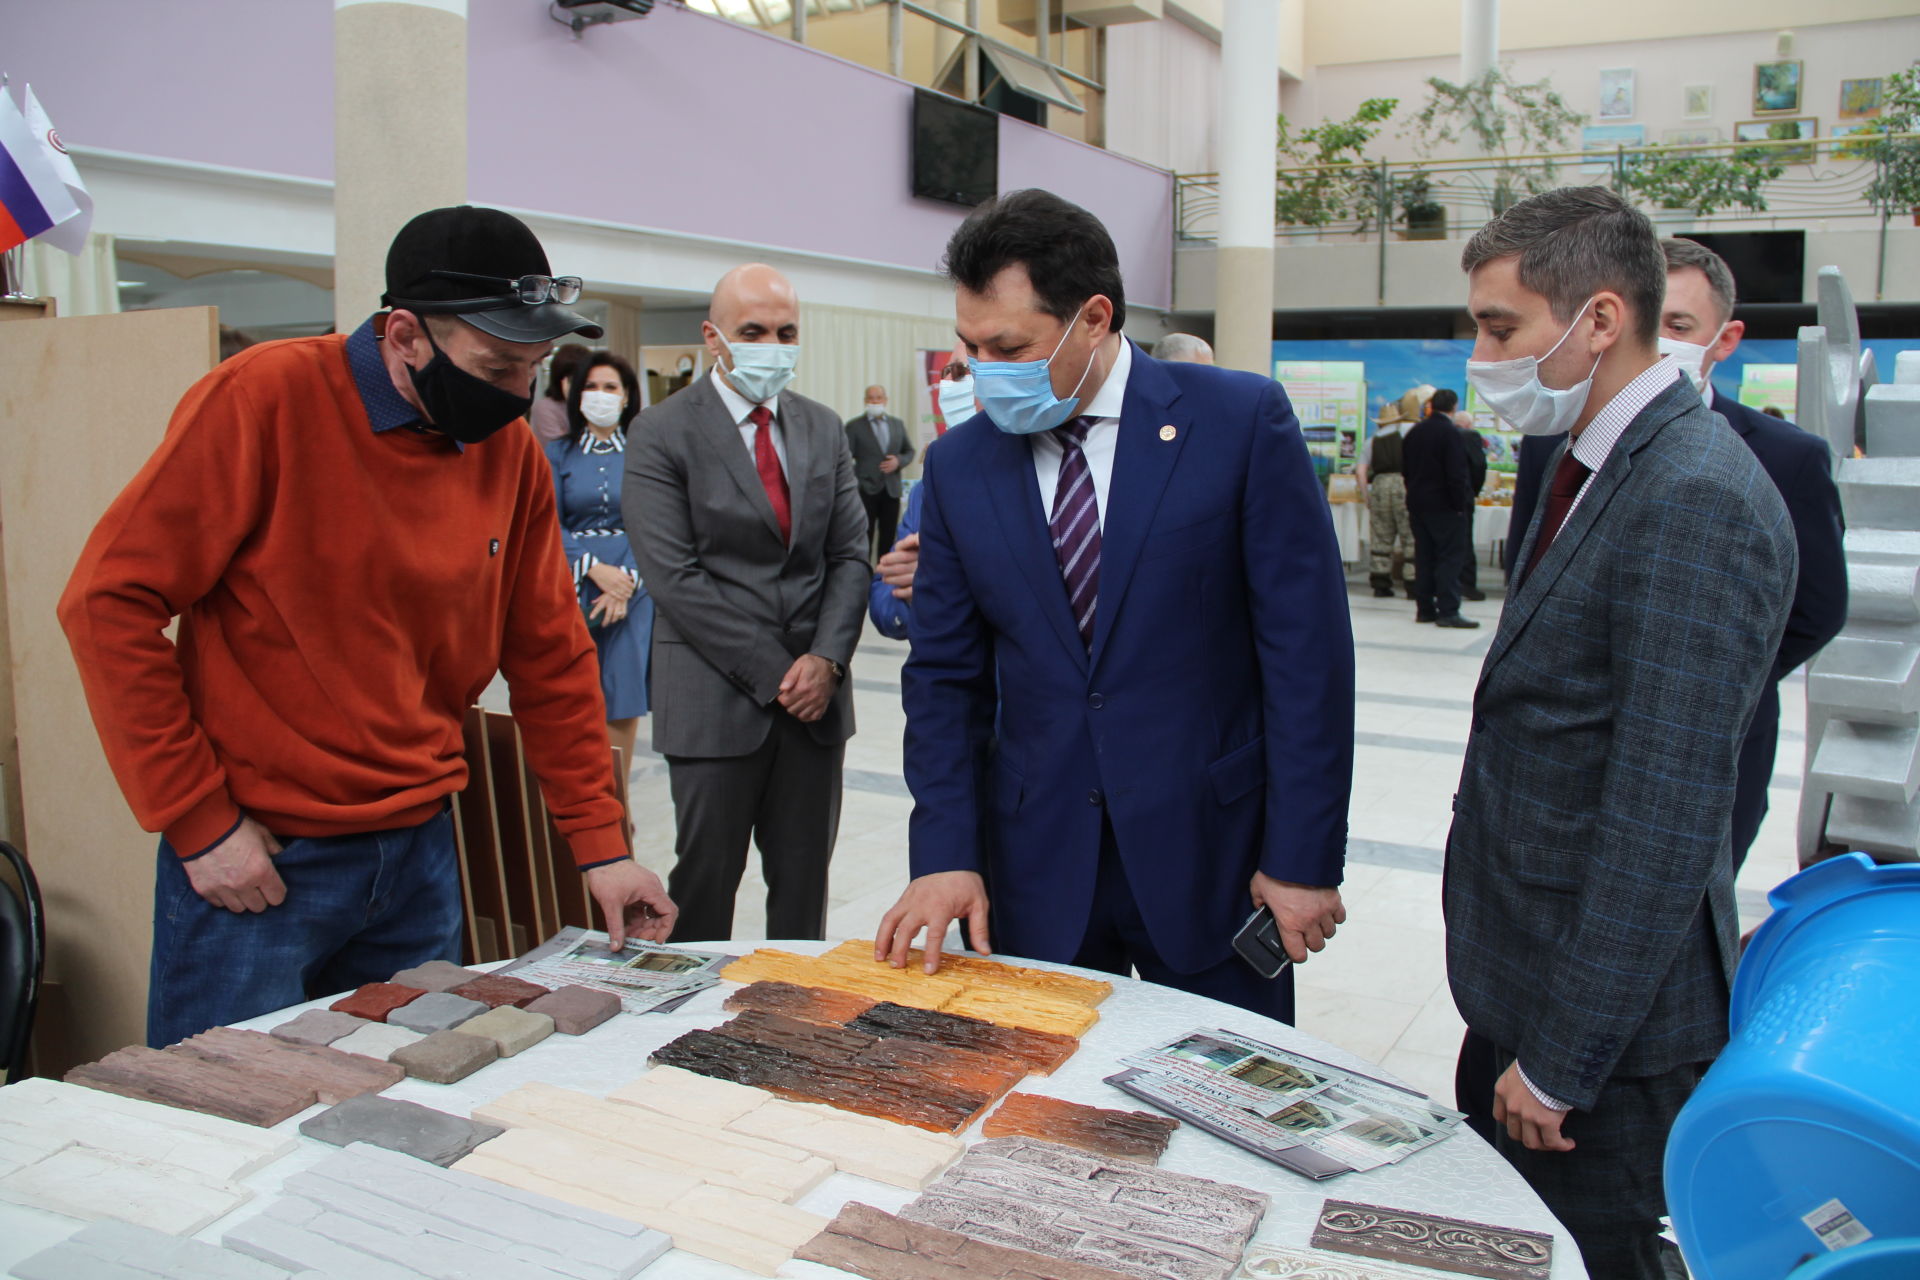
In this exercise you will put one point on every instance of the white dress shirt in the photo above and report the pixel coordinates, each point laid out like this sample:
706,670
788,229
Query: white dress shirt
1103,437
739,406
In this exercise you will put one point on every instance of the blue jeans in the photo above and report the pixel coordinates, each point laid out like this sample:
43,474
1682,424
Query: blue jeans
358,909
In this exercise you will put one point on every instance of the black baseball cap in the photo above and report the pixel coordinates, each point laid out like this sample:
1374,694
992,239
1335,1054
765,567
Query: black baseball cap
467,241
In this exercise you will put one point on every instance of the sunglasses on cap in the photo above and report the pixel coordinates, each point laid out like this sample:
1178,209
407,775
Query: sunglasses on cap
530,291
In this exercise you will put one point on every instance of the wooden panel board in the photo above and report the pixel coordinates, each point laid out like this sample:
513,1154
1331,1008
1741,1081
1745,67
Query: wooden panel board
510,801
94,863
540,849
480,847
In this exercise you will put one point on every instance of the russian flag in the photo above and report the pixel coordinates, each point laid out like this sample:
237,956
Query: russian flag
33,198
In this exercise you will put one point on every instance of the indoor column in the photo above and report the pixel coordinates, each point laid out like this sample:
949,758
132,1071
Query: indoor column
1249,104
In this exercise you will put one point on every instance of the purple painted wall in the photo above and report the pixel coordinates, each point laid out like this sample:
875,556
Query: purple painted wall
682,122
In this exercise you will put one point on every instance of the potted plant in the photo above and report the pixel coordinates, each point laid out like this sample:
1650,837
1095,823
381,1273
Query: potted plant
1503,119
1425,217
1699,183
1896,184
1322,176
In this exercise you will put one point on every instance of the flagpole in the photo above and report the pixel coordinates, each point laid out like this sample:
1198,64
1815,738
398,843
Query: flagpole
13,269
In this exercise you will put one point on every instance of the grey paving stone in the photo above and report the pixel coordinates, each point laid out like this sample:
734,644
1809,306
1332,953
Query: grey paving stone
377,1040
446,1056
286,1241
406,1127
435,975
436,1011
319,1027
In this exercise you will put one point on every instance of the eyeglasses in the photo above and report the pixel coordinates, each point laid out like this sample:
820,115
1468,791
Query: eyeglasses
529,290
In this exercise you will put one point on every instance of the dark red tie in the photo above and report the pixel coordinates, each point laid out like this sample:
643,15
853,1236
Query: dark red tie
767,462
1567,479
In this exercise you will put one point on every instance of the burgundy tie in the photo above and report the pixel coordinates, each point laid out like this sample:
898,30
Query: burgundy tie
767,462
1075,526
1567,479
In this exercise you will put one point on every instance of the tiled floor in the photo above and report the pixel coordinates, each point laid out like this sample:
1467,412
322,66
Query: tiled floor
1379,988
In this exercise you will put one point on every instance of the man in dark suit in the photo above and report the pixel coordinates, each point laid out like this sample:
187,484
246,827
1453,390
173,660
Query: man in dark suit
1591,929
880,446
1131,682
1477,480
746,525
1440,504
1698,329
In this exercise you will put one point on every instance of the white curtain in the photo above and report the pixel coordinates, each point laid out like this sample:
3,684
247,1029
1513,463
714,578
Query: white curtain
80,286
845,350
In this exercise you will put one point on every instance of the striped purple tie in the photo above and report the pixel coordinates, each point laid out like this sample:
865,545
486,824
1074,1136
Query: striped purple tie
1076,527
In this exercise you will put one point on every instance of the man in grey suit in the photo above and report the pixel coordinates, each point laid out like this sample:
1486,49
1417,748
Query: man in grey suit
1591,931
880,446
746,526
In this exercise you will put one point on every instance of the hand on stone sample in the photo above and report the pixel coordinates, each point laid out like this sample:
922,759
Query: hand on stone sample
238,872
933,902
1307,914
632,901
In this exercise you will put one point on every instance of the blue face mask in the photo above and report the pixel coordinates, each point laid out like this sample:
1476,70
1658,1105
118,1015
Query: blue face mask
761,370
1018,395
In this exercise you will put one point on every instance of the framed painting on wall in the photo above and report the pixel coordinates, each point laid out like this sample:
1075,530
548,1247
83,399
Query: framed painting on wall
1776,87
1696,102
1862,152
1805,127
1859,99
1616,94
1691,137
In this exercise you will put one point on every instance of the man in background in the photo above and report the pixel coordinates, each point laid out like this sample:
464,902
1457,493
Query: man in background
1183,347
1389,529
1440,505
746,523
1477,478
880,447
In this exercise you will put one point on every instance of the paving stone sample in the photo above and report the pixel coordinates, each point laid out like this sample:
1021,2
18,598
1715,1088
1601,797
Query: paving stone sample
334,1075
729,1226
511,1030
576,1010
406,1127
318,1027
376,1000
975,972
1428,1240
867,1242
701,1099
87,1183
436,975
181,1080
861,1145
121,1251
38,1117
1130,1217
1042,1051
812,1004
495,989
377,1040
1124,1135
445,1056
717,1156
435,1011
388,1210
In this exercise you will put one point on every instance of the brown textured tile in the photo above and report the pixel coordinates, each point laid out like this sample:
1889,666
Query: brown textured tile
813,1004
318,1026
879,1246
1125,1135
494,990
1427,1240
576,1010
334,1076
376,1000
445,1056
194,1084
1041,1051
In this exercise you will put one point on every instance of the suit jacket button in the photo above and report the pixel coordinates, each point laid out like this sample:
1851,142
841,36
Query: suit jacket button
1095,701
1095,799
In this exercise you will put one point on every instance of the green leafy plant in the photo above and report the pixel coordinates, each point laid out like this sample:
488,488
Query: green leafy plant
1503,119
1702,183
1323,176
1896,185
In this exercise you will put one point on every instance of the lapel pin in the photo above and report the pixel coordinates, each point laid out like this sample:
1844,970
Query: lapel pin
1169,431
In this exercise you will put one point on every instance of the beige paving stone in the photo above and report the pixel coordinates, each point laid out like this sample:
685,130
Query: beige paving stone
677,1092
512,1030
865,1146
378,1040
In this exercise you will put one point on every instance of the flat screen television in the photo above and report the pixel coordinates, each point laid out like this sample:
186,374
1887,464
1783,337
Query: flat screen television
1767,266
956,150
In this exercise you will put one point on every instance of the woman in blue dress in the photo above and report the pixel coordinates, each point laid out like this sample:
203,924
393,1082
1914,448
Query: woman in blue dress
587,466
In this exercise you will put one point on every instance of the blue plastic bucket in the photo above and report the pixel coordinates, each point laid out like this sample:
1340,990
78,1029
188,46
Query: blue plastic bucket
1804,1138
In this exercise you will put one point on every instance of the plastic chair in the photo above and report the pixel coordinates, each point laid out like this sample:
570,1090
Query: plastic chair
23,950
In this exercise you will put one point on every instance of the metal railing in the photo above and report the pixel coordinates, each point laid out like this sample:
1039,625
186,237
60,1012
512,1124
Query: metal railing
1822,183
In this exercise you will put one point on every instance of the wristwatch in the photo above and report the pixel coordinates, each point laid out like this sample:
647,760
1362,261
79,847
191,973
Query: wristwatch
839,672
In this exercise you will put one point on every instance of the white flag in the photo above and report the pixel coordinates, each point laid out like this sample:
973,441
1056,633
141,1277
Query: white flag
71,233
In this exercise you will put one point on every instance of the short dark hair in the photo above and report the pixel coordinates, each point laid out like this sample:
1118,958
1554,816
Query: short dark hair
1691,253
576,420
568,359
1068,255
1445,400
1572,243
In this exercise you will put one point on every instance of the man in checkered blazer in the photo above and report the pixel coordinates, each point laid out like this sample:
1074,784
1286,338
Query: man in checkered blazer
1591,929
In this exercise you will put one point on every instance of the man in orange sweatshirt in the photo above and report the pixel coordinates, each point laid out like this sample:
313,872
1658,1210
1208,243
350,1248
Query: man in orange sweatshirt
353,546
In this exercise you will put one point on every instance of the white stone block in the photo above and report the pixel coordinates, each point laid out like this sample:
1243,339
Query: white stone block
377,1040
674,1091
86,1183
865,1146
41,1116
1861,678
1874,761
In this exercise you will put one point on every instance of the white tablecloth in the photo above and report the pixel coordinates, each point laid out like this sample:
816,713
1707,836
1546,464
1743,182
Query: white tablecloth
1461,1177
1350,530
1490,531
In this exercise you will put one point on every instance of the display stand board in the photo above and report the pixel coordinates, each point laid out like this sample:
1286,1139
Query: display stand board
83,402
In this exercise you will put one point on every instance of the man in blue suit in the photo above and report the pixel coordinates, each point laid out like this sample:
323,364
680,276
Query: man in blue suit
1130,698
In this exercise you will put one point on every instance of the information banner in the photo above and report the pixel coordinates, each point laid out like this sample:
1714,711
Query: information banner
1330,399
1770,386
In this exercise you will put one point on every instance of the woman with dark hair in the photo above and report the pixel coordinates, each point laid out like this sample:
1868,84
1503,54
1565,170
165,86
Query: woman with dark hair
587,466
549,416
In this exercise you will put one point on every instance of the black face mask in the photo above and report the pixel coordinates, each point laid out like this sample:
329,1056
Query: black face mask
467,408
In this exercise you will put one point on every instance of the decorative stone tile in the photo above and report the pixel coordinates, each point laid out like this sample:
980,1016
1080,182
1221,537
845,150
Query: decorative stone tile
878,1245
976,972
445,1056
511,1030
812,1004
436,975
1427,1240
38,1117
333,1075
318,1027
494,990
861,1145
1040,1050
880,982
180,1080
576,1010
1064,1203
86,1183
376,1000
435,1011
697,1098
1023,1009
121,1251
406,1127
1124,1135
378,1040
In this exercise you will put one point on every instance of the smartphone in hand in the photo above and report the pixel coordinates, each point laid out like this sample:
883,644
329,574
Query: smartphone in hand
1258,943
